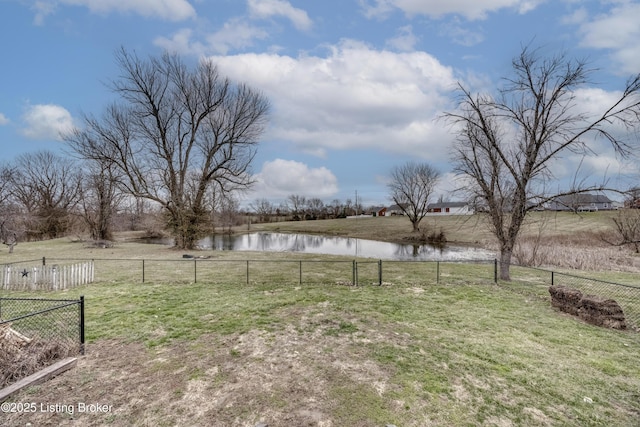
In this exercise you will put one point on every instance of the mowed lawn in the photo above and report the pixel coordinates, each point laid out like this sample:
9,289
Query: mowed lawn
460,352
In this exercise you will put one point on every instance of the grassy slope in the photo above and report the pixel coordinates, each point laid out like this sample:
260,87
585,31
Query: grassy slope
452,354
458,228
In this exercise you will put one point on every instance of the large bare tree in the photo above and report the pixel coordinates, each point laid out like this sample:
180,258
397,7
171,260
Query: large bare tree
411,188
46,186
176,133
99,199
507,143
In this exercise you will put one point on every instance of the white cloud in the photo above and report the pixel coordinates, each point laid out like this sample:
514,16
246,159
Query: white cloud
46,121
470,9
280,178
355,97
3,120
617,31
377,9
180,42
268,8
234,34
237,33
405,41
171,10
461,33
42,10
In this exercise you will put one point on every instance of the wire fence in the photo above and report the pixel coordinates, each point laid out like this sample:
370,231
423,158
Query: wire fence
286,271
36,332
537,281
350,272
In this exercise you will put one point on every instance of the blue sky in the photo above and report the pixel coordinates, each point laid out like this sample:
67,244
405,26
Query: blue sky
356,85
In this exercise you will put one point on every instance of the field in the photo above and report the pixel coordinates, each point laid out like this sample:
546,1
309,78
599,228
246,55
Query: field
464,351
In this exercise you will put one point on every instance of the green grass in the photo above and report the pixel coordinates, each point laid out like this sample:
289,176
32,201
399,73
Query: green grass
453,349
462,354
457,228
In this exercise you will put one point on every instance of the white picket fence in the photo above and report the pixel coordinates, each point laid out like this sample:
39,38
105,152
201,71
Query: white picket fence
47,277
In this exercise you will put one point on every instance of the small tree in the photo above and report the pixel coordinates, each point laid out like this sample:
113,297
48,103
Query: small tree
263,208
506,144
296,205
411,188
627,229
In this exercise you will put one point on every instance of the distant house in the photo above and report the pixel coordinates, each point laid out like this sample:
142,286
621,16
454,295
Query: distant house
581,203
450,208
396,209
380,211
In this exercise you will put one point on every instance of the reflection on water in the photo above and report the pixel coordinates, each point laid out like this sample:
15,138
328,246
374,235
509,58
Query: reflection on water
305,243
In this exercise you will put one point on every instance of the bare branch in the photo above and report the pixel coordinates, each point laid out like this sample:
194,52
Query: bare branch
176,133
506,145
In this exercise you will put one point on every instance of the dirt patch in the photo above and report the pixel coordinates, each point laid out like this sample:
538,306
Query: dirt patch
283,378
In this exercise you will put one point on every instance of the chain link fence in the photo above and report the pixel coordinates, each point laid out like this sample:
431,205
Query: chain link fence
34,333
537,281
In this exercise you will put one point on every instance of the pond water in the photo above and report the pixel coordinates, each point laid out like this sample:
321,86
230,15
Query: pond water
305,243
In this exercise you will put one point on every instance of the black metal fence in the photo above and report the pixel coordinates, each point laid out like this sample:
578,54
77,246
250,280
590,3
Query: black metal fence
51,320
37,332
308,271
285,271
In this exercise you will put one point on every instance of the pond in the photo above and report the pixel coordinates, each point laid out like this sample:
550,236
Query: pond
311,244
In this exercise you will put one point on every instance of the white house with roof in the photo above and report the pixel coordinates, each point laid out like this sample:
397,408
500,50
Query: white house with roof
449,208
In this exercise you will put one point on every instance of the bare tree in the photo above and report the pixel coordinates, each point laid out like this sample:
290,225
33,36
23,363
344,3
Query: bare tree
411,188
297,204
99,200
228,207
9,212
263,208
632,199
316,208
47,187
6,172
627,229
507,144
335,208
176,133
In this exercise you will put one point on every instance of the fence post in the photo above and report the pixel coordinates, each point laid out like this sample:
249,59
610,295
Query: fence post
495,270
247,272
300,272
142,270
353,273
44,261
82,324
195,270
379,272
552,279
438,272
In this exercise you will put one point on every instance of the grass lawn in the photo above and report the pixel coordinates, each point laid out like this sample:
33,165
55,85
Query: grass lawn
462,352
445,349
457,228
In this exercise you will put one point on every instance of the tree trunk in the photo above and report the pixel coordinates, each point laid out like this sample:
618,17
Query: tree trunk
505,262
